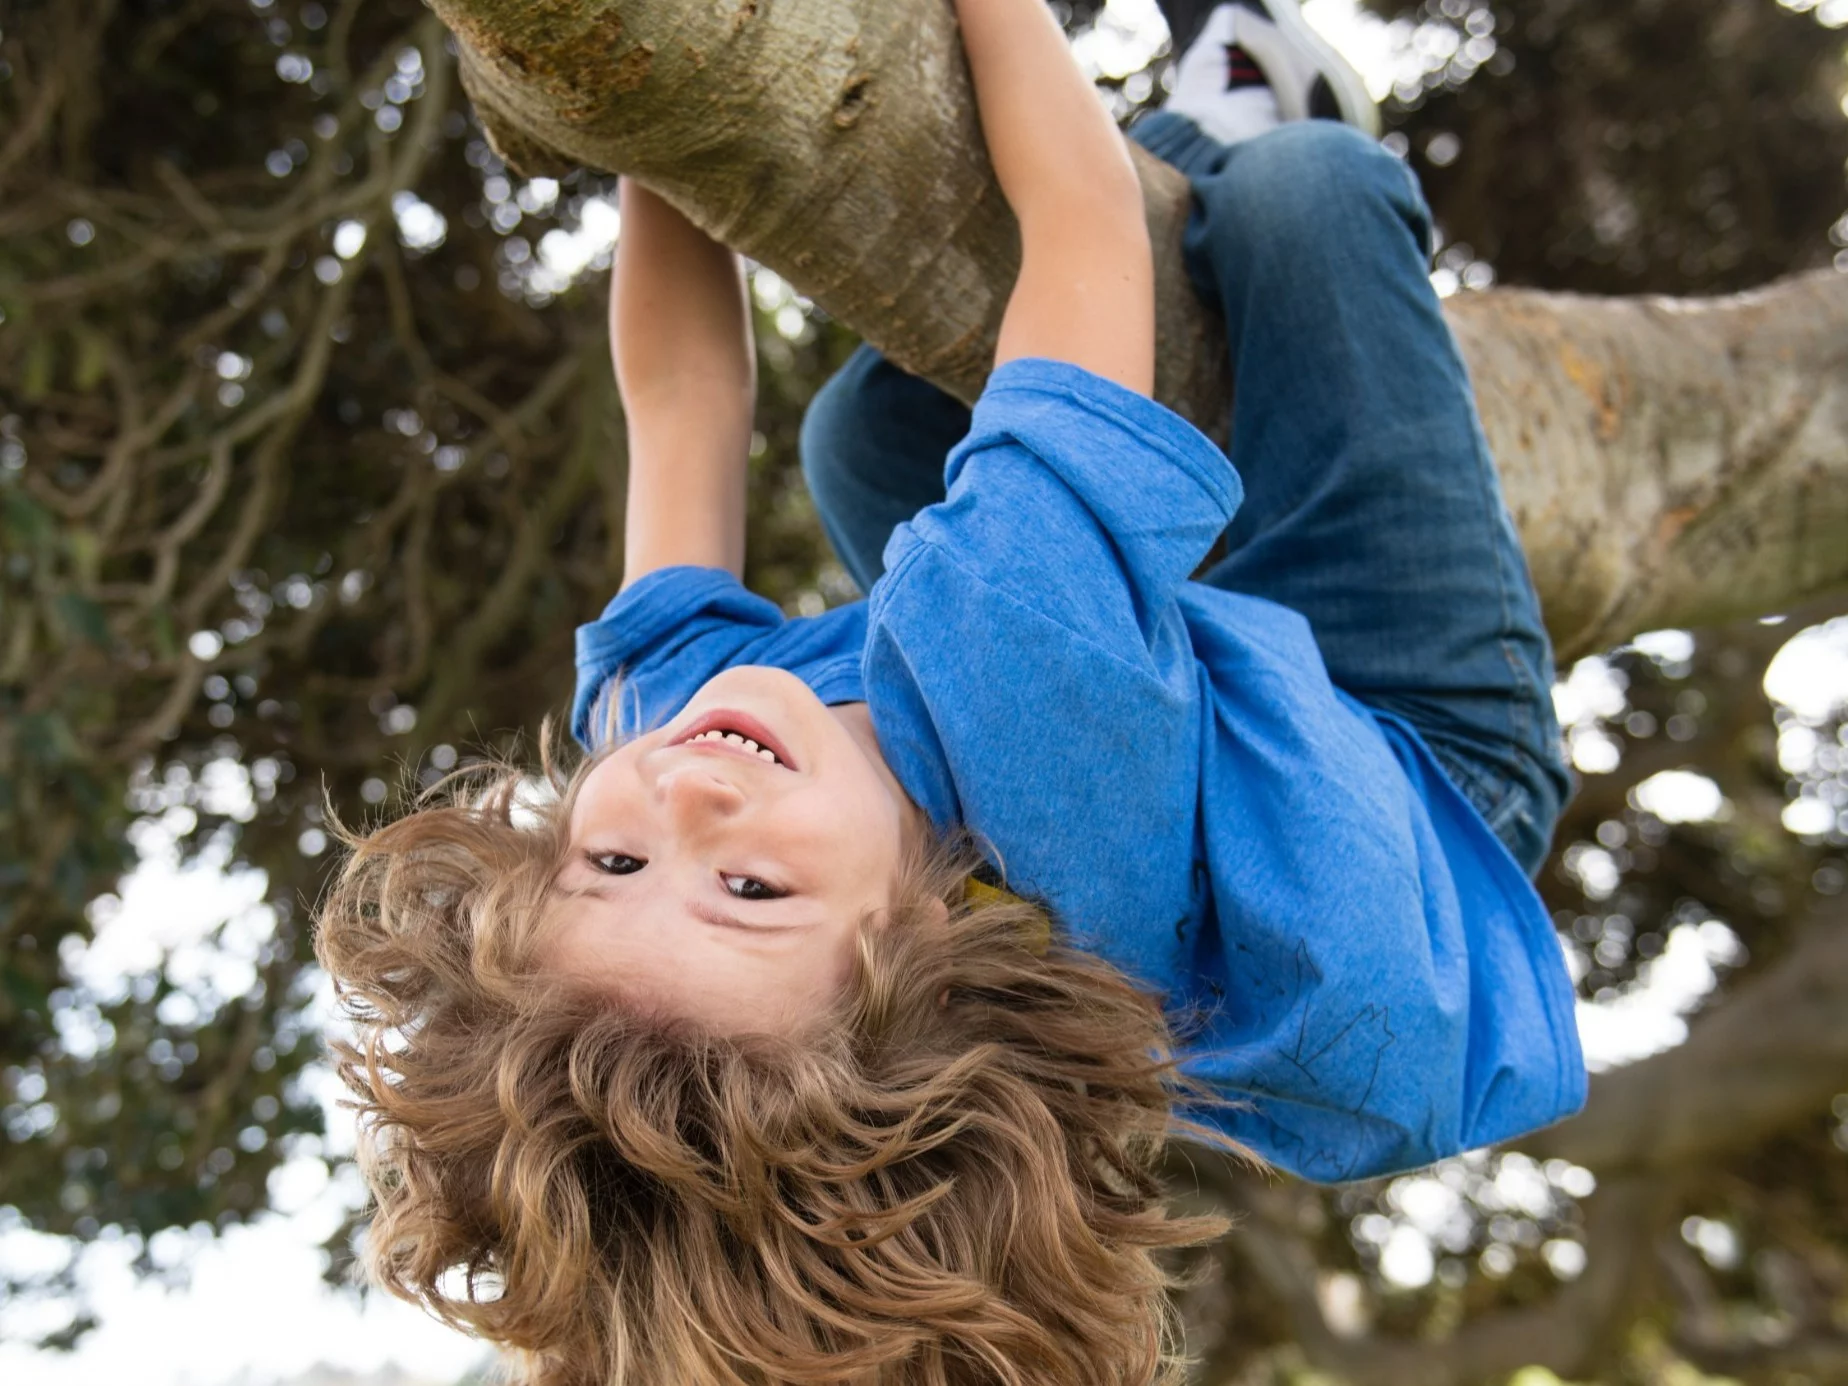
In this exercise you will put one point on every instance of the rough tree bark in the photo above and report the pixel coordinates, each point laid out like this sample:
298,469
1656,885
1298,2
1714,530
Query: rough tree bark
1669,462
1769,1055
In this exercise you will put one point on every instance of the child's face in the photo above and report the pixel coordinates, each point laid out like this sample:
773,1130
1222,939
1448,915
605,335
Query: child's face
718,885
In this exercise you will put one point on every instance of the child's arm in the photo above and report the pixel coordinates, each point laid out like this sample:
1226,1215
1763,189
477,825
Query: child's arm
680,338
1086,287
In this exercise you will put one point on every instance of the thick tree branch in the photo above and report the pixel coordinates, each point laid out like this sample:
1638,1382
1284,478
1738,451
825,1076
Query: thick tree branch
1794,1339
1772,1053
1669,462
1566,1333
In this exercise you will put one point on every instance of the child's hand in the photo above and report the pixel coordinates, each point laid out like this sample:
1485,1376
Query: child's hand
1086,287
680,336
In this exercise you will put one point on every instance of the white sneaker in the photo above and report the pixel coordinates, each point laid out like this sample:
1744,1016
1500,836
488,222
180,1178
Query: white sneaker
1247,64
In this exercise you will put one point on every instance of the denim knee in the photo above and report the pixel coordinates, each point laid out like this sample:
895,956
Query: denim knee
1305,184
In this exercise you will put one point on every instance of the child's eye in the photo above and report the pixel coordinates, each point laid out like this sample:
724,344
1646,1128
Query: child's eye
750,888
615,863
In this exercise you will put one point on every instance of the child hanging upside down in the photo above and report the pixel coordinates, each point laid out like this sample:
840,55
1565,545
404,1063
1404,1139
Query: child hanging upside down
731,1068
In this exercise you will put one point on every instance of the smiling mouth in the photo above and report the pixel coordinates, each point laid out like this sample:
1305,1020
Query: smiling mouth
737,732
732,738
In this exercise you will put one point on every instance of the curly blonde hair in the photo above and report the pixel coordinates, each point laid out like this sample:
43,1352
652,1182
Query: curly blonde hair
951,1181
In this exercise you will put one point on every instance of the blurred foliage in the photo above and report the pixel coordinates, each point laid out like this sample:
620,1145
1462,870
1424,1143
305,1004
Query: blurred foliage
304,482
310,461
1636,147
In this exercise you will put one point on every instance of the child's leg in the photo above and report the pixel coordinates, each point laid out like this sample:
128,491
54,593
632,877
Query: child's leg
1371,503
873,445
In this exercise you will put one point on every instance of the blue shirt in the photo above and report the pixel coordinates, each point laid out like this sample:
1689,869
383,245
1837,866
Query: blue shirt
1168,766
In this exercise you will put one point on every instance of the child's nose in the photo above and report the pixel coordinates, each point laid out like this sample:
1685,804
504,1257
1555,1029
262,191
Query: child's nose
693,794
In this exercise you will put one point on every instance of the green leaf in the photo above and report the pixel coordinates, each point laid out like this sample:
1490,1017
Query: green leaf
166,644
44,738
92,358
82,618
36,372
26,521
22,991
86,553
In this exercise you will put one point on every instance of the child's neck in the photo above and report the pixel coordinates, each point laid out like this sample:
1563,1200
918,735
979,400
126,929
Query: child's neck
857,718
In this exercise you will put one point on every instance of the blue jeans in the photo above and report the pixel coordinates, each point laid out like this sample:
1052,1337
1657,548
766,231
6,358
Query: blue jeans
1371,504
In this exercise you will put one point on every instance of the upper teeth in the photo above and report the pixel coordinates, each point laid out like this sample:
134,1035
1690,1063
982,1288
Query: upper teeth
733,738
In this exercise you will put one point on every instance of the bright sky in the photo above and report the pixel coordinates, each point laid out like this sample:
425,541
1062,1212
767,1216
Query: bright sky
256,1312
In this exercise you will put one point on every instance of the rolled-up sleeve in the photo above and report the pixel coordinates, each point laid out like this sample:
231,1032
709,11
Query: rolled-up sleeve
1084,501
698,620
